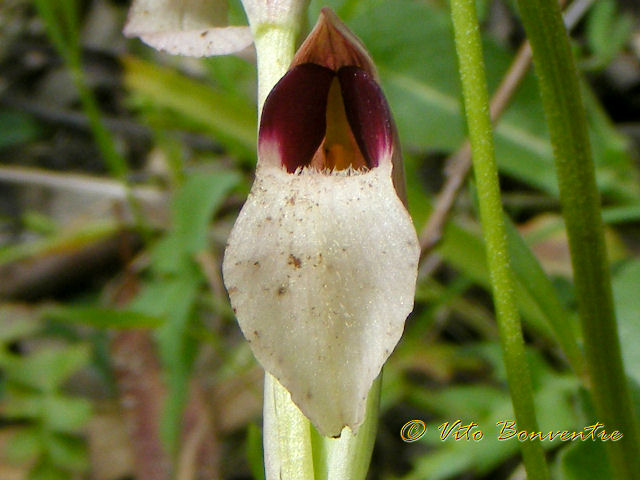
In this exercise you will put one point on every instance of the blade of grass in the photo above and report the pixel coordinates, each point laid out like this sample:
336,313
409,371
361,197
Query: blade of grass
566,119
60,19
534,279
61,22
231,119
476,98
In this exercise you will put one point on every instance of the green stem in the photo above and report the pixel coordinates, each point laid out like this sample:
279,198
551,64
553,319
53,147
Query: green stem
61,23
288,452
287,435
116,164
348,457
567,124
476,99
275,47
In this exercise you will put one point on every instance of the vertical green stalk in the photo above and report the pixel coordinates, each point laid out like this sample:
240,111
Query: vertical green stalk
61,22
566,119
275,47
288,453
286,431
348,457
476,99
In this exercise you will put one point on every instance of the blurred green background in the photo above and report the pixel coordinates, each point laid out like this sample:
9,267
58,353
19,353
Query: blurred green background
122,171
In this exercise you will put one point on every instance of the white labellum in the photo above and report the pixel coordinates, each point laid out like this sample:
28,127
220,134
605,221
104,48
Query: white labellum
186,27
321,270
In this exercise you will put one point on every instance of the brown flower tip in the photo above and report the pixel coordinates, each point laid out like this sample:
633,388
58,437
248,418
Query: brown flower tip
332,45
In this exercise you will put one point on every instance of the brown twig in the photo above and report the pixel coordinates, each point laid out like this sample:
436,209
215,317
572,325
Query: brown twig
459,163
138,375
142,393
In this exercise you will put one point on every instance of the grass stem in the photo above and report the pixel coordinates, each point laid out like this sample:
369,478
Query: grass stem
476,100
567,124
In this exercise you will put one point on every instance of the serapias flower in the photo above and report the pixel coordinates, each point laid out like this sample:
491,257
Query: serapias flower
199,27
321,264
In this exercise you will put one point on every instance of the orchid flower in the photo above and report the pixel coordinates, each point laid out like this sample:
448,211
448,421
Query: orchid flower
198,28
322,261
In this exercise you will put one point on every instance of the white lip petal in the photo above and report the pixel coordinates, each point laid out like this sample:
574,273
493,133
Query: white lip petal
186,27
201,43
321,270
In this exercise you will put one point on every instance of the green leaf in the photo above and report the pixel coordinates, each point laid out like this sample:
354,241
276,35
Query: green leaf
47,368
607,31
536,283
25,445
65,414
584,461
195,203
16,128
231,119
173,299
254,451
47,471
67,452
192,208
103,317
20,405
627,301
463,248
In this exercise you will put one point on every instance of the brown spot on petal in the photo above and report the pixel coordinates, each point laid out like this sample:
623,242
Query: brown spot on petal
295,261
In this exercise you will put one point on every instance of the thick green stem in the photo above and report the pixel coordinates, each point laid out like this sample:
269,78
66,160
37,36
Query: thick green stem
566,119
348,457
476,99
287,435
275,46
286,431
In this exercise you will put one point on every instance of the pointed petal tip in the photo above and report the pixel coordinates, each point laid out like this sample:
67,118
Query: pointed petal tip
332,45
